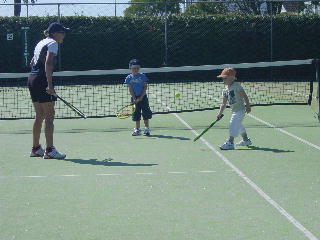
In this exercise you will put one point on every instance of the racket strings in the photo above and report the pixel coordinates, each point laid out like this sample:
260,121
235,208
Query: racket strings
126,111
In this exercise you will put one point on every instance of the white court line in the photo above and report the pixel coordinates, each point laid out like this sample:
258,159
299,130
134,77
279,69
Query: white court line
69,175
117,174
32,176
178,172
108,174
285,132
254,186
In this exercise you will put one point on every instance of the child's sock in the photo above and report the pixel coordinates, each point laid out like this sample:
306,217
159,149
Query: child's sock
245,137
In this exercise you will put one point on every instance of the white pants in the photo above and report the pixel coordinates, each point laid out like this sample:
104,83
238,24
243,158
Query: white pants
235,125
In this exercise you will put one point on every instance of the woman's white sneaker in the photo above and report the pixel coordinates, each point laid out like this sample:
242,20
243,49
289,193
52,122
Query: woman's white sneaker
54,154
37,152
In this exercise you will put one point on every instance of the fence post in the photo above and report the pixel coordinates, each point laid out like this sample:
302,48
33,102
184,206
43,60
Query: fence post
27,8
271,38
165,35
59,50
25,42
271,32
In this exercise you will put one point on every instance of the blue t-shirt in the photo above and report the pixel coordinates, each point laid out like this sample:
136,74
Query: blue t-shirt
137,82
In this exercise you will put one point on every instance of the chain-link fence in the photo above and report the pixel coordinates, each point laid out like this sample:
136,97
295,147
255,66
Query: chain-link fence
162,33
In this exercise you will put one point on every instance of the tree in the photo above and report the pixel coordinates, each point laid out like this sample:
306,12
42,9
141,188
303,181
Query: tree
158,8
203,8
17,6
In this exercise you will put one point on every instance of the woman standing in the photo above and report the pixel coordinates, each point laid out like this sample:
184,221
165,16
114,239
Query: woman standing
41,89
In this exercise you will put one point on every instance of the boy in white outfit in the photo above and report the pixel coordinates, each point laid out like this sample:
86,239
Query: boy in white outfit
239,103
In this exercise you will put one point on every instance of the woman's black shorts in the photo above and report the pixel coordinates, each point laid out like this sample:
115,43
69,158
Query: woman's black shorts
37,85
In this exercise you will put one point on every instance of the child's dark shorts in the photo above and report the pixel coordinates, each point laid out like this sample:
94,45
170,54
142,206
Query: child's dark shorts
142,107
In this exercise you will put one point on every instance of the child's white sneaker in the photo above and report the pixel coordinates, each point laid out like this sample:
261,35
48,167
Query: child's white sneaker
147,131
37,152
54,154
227,146
244,143
136,132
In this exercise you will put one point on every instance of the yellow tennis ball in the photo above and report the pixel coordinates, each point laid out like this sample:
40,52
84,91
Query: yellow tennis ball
177,94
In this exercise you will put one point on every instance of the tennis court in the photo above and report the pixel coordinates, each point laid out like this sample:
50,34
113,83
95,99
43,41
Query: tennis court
115,186
166,186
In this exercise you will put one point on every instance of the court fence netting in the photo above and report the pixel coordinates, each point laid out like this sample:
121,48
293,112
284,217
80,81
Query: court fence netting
100,93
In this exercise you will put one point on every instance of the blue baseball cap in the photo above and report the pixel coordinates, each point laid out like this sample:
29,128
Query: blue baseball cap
57,27
134,62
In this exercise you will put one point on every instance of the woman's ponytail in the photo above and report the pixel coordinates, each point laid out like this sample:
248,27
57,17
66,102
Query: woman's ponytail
46,33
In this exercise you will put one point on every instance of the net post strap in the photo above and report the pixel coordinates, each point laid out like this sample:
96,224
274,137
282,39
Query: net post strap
318,81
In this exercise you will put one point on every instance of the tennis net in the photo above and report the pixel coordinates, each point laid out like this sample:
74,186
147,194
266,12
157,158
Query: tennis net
100,93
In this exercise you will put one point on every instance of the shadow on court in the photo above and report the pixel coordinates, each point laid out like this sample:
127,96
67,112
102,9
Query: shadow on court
108,162
90,130
168,137
275,150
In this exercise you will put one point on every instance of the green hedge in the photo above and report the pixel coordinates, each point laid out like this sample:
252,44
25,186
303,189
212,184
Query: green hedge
110,42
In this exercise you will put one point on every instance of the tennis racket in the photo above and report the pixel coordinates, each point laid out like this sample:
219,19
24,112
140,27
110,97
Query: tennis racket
126,111
76,110
204,131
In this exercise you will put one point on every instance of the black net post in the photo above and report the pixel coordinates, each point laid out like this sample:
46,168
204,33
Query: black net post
317,80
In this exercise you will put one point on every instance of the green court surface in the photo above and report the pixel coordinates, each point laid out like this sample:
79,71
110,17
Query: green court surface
115,186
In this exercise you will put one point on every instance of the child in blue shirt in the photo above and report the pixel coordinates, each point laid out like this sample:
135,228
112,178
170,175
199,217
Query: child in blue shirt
137,84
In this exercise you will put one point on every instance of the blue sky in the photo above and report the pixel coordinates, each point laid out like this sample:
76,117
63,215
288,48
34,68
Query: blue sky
110,9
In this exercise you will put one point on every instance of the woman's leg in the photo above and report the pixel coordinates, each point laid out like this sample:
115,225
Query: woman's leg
37,125
49,112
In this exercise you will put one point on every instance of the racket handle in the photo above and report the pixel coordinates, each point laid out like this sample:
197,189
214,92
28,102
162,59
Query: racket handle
221,116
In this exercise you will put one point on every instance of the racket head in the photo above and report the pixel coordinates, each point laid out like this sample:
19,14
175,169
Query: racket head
126,111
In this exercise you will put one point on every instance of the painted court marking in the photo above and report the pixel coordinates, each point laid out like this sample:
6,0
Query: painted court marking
121,174
285,132
178,172
254,186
